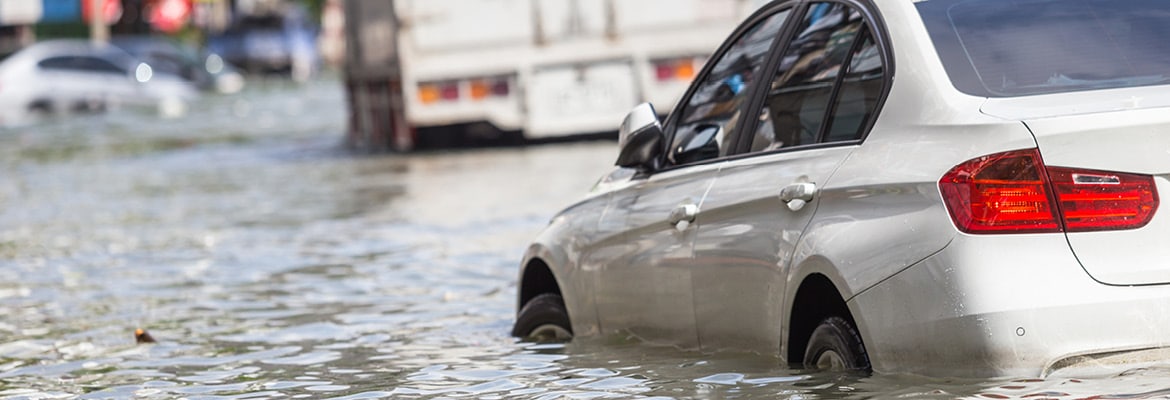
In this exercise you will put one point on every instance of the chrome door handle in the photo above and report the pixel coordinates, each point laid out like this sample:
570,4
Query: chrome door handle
797,195
683,213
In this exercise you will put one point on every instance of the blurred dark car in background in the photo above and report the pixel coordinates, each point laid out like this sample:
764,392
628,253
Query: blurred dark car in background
206,70
282,43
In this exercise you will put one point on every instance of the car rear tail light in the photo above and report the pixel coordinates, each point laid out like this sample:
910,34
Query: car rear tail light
1000,193
681,69
1014,192
1098,200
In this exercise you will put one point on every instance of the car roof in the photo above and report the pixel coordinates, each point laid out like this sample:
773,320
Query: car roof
57,47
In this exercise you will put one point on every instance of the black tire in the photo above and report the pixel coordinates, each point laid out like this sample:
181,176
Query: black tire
544,318
835,345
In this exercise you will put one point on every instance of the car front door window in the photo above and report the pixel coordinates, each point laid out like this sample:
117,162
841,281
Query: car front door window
708,118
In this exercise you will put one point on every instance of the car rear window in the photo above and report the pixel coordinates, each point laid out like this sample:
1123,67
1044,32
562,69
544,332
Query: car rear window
998,48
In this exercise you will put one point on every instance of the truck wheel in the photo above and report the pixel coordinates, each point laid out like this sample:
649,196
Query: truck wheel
835,345
543,318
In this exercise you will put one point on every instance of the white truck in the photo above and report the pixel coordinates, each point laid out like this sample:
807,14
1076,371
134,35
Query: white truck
548,67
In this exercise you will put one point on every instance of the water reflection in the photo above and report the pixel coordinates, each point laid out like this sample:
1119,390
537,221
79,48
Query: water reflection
268,263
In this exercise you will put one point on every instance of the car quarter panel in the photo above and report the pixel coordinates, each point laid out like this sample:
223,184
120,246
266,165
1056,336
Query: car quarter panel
882,210
1006,305
1134,141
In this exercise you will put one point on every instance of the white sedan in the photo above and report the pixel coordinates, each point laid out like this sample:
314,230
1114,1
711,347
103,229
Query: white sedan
938,187
65,76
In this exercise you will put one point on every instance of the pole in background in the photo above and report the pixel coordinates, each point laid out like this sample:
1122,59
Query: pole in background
99,31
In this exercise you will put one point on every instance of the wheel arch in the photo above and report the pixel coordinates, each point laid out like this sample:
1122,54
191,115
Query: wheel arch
536,278
815,299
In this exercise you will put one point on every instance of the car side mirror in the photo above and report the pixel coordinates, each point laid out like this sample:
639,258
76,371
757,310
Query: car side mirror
640,139
703,145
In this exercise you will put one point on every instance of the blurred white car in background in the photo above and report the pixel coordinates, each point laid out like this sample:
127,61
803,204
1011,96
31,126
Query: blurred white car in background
69,76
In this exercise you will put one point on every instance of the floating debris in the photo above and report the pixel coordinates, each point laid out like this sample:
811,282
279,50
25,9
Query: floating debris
142,336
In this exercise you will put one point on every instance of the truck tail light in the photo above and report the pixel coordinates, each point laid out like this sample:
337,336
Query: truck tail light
449,91
472,89
1014,192
680,69
489,87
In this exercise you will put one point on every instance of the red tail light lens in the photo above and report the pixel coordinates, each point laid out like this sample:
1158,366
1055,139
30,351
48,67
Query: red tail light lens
1098,200
1013,192
1000,193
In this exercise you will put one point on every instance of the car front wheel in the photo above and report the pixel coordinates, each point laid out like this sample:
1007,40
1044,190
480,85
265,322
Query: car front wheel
544,318
835,345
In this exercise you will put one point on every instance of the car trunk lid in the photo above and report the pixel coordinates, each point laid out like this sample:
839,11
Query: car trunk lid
1120,131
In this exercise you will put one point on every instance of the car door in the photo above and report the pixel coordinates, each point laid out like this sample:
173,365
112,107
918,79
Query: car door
644,286
822,97
80,82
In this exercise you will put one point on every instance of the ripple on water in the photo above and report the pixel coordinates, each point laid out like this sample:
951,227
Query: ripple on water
270,263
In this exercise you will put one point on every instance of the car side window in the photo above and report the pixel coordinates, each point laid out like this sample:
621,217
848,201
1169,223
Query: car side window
80,63
707,119
830,38
57,63
858,92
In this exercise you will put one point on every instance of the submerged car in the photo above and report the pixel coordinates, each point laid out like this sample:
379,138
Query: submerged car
936,187
69,76
281,43
206,70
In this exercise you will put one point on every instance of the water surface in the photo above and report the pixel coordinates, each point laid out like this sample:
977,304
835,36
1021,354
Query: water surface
268,262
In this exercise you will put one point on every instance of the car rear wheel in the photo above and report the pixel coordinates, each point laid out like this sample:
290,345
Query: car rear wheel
544,318
835,345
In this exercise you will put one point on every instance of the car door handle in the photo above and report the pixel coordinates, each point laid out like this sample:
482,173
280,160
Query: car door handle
797,195
685,212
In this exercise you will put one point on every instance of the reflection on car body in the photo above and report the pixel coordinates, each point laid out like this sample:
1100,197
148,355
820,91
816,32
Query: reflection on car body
940,187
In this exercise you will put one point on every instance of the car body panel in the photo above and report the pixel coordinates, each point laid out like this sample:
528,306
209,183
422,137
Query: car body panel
642,247
1049,312
566,261
746,239
926,297
1131,141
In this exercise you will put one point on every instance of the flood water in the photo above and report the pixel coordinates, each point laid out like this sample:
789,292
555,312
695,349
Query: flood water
269,262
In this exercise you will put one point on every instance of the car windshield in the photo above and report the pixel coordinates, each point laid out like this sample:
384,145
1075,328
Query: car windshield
997,48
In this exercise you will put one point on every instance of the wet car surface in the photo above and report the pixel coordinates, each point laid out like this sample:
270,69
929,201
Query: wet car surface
268,262
808,199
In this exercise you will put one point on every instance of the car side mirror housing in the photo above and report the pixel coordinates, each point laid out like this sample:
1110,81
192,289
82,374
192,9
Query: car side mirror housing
640,139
